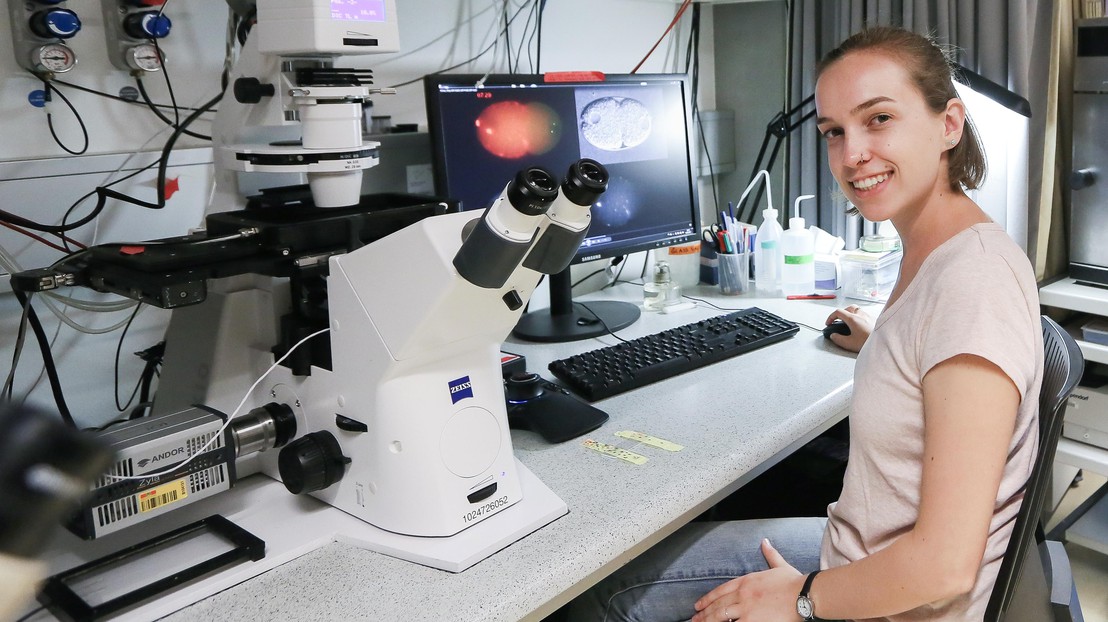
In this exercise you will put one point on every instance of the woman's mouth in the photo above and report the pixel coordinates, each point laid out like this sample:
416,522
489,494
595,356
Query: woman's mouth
869,183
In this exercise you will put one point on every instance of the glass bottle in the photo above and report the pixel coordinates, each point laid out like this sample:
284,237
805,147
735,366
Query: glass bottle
662,290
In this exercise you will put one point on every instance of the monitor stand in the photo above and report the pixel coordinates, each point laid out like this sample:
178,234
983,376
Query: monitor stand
566,320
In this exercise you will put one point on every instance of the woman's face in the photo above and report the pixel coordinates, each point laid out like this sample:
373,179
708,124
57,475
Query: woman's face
884,146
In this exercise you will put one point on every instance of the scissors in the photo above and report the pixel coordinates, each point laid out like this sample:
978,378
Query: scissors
711,236
714,235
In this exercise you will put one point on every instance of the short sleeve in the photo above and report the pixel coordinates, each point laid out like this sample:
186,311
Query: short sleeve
980,308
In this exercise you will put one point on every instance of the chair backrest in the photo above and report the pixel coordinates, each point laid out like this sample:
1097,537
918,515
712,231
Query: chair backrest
1062,370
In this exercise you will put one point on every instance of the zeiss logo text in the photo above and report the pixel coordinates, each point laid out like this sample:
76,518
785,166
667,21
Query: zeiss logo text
460,389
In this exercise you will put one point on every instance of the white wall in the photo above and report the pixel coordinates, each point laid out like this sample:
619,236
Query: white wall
609,36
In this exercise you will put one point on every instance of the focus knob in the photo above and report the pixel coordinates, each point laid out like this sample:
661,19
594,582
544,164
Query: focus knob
522,387
312,462
55,24
147,25
252,90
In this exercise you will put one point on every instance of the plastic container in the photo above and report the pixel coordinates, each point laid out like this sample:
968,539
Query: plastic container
870,276
798,272
767,255
734,273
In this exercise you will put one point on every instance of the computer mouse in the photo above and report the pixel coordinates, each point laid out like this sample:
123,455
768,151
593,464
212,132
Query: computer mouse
837,327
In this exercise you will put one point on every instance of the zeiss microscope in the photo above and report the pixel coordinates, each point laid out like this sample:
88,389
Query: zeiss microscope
386,315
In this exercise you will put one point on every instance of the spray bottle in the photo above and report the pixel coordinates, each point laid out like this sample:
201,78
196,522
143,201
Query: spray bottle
767,255
798,275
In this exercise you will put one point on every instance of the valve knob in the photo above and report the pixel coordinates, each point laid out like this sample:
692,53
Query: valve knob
55,23
147,25
312,462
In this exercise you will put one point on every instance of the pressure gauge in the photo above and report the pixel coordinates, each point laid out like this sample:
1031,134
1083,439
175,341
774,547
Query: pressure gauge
53,57
145,57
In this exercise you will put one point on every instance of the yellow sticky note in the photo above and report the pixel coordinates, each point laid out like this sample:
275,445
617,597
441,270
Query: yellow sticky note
615,452
646,439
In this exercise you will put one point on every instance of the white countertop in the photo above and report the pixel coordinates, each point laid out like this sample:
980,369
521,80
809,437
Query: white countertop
734,419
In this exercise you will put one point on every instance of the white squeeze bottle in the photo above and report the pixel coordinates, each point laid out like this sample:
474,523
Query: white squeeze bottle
767,255
798,275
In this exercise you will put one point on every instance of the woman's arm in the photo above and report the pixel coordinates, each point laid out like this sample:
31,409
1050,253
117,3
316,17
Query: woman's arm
970,413
970,410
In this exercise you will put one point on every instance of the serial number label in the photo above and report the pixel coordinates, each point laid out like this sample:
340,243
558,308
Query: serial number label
162,495
488,508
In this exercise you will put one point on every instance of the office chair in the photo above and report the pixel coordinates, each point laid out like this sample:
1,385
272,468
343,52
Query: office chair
1034,582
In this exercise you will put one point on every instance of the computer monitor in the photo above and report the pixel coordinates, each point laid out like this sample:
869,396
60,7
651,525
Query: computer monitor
484,129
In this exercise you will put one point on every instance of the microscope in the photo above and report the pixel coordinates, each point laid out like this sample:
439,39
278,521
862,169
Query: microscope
386,314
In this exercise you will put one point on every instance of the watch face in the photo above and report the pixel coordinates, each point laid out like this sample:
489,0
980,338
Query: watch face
804,607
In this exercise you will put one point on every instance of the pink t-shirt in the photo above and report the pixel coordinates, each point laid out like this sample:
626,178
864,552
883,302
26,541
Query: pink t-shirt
975,294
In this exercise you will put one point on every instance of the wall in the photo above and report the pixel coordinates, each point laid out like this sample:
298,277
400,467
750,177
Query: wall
750,78
610,36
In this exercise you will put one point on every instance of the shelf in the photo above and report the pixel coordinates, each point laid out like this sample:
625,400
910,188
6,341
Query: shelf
1067,294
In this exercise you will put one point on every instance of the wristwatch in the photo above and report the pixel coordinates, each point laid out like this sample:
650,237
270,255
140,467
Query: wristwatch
804,605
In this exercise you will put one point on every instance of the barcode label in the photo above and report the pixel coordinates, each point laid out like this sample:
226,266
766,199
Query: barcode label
162,495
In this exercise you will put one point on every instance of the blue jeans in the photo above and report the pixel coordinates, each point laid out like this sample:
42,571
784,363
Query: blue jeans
662,584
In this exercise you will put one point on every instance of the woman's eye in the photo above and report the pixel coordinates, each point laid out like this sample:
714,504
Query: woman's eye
882,118
832,133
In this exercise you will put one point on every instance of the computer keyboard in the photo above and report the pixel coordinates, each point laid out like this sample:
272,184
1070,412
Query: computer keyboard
612,370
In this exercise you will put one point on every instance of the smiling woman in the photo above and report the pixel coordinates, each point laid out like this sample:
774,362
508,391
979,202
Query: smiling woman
943,418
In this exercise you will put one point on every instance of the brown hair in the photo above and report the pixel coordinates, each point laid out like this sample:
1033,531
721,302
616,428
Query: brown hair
931,70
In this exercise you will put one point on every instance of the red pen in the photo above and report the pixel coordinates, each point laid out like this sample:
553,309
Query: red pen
812,297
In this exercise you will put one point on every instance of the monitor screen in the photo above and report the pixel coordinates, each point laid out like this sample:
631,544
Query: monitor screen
635,125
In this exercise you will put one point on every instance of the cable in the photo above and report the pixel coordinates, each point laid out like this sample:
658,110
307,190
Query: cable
47,87
158,113
33,236
676,18
230,417
111,96
19,339
118,348
491,46
47,358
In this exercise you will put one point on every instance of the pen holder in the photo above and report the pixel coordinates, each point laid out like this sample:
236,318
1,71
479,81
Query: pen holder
734,273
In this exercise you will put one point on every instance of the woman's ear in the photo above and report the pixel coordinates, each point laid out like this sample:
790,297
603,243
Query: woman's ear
954,120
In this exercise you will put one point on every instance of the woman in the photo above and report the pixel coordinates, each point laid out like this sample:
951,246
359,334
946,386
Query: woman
944,414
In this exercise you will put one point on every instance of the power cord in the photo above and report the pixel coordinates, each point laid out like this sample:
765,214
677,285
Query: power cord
47,98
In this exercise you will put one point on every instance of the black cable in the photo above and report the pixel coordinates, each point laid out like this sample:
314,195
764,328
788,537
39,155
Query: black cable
525,38
47,358
48,88
118,348
103,193
693,52
601,320
21,335
587,277
159,114
69,211
165,76
507,37
111,96
538,46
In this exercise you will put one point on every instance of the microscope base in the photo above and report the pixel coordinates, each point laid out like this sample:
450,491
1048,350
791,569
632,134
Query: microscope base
538,507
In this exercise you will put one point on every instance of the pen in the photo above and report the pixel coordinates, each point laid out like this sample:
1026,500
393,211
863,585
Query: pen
812,297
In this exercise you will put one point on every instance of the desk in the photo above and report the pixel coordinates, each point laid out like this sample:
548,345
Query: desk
735,418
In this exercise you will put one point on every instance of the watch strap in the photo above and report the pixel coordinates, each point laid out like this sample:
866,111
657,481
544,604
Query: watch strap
807,587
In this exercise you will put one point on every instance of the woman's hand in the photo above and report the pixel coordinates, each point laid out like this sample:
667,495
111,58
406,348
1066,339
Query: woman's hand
860,324
769,595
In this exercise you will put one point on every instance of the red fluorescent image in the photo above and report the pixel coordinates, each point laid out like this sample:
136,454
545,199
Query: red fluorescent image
512,130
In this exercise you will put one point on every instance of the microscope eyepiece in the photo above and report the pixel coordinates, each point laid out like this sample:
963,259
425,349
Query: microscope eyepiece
585,181
532,191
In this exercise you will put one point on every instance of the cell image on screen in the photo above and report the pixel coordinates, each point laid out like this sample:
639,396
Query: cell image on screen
617,125
512,129
358,10
483,136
